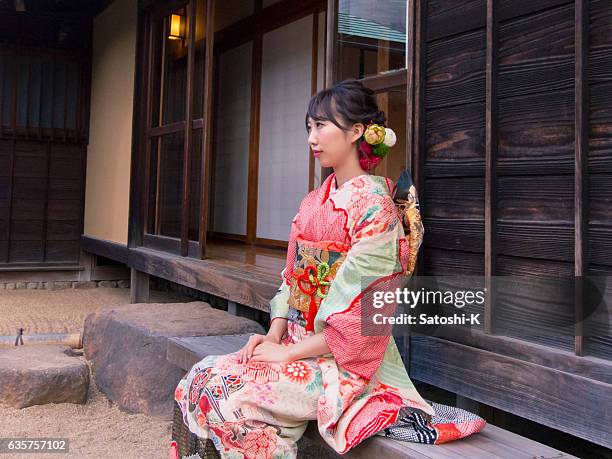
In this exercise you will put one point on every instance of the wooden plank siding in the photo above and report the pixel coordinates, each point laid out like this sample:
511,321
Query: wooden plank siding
535,392
513,162
44,108
514,135
598,235
41,200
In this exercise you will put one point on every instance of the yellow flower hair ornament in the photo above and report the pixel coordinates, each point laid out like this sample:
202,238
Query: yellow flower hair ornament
375,145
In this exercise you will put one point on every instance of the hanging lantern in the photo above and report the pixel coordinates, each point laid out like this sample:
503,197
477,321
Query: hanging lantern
177,27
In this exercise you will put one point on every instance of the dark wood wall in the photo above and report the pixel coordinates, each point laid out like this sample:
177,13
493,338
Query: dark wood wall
515,134
599,193
44,115
41,201
513,161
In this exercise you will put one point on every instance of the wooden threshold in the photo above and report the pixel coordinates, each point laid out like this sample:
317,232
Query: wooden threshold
107,249
245,274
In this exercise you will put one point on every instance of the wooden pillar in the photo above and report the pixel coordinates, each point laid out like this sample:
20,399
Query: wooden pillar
242,311
206,161
491,121
88,262
581,148
139,287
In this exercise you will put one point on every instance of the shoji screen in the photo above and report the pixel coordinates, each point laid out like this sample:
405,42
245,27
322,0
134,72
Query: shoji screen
232,141
283,147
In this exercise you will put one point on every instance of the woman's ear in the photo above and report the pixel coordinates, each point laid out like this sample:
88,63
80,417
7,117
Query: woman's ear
357,131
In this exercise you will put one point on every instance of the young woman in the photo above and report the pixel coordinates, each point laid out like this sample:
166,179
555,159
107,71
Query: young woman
315,362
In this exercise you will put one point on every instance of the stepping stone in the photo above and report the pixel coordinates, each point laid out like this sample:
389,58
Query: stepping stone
36,374
127,344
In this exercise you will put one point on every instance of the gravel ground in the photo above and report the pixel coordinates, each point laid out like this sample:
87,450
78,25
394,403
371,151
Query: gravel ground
97,429
61,311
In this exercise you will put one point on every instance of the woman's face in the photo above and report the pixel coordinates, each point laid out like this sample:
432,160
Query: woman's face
332,145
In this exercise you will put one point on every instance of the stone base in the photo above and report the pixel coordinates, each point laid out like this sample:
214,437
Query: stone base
127,348
63,285
36,374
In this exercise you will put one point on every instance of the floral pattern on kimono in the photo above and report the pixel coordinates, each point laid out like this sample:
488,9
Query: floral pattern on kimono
361,387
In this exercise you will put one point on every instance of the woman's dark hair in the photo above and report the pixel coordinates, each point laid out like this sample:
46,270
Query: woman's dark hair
345,104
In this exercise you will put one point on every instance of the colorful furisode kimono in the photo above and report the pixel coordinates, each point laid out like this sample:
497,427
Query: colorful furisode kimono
339,237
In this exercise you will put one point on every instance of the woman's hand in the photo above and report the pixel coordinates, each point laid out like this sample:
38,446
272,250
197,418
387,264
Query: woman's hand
254,341
272,352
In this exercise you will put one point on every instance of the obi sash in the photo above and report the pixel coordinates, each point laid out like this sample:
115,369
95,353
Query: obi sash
316,265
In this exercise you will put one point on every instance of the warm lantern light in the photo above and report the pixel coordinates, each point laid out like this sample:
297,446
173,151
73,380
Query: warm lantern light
176,27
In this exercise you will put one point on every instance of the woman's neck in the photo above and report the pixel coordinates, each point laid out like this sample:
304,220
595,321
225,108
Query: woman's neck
344,173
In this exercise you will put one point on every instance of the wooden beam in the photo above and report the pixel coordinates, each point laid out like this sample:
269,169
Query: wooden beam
188,135
171,245
386,80
160,122
141,147
331,51
206,129
314,71
331,44
243,283
254,126
108,249
276,15
581,147
420,74
170,128
490,163
410,53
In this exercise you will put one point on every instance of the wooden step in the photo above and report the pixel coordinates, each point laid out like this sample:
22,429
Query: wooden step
490,443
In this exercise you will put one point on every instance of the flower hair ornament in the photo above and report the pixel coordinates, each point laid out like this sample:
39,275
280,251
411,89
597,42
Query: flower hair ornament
374,145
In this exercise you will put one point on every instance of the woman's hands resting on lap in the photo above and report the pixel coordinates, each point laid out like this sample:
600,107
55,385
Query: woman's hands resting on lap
267,348
272,352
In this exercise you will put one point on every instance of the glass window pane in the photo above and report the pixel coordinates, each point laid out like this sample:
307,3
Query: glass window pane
175,67
195,174
170,67
152,194
371,37
166,185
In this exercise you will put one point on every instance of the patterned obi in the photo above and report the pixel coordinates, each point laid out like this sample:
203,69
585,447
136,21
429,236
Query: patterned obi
315,268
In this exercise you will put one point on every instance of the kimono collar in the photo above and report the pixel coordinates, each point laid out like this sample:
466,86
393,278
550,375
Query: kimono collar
376,184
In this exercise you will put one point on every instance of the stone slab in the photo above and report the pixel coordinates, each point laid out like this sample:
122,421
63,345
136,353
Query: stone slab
36,374
127,348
